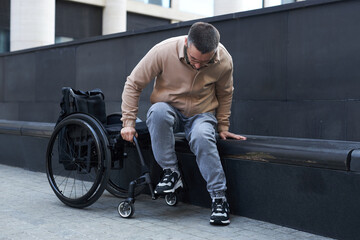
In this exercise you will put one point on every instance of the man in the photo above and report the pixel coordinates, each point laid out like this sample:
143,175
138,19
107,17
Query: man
192,93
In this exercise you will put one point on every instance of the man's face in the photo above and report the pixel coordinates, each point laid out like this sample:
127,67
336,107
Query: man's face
196,58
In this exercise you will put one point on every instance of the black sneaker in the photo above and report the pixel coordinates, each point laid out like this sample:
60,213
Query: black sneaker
169,182
220,212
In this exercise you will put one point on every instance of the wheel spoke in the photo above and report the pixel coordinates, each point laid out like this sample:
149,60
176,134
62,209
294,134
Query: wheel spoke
75,161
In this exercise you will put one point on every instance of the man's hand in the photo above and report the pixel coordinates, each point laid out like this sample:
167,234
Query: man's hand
128,133
226,134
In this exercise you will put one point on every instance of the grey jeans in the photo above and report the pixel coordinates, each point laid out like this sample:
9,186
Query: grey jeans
163,121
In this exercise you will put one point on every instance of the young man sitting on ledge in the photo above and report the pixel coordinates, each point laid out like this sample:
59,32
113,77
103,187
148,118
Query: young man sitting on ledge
192,93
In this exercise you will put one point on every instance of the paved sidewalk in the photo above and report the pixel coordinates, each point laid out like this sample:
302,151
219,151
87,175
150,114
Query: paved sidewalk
30,210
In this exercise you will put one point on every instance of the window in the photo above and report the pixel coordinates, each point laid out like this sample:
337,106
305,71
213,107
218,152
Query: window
4,26
201,7
270,3
59,39
163,3
4,40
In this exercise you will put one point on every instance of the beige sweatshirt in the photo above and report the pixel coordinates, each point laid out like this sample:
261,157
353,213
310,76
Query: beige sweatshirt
191,91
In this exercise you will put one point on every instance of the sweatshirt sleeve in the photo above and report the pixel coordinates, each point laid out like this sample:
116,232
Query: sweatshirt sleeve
145,71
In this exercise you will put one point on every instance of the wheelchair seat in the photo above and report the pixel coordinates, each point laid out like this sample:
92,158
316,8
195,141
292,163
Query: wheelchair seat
113,129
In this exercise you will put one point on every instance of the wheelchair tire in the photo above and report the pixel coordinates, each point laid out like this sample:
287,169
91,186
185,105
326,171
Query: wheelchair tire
77,160
171,199
126,209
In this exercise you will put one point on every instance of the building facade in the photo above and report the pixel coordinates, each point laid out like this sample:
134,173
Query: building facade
33,23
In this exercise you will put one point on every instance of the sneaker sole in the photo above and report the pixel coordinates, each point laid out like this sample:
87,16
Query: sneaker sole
226,222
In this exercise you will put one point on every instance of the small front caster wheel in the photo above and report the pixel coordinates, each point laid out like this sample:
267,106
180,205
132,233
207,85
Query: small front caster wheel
171,199
126,209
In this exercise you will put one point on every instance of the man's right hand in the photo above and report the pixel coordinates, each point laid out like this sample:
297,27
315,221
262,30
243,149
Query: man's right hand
128,133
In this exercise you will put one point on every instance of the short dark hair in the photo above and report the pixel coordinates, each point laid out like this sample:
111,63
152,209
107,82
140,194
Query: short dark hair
204,36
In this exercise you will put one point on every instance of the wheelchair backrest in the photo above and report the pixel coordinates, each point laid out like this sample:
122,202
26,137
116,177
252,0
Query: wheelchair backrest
90,102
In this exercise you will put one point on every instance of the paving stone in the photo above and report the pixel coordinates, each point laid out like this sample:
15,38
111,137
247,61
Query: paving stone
30,210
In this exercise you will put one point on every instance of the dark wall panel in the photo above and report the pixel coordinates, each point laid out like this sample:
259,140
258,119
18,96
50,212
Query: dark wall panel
136,21
23,151
20,77
323,52
314,199
302,119
352,120
307,119
2,74
102,64
5,14
257,117
10,151
258,47
60,61
41,111
9,110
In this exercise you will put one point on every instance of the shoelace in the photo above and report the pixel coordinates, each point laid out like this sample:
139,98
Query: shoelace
166,178
218,208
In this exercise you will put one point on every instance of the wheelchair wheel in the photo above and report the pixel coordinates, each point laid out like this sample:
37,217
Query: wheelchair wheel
78,160
126,209
171,199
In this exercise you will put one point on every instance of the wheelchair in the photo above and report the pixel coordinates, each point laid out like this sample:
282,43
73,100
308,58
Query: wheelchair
86,155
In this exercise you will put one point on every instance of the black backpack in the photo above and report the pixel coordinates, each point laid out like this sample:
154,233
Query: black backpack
90,102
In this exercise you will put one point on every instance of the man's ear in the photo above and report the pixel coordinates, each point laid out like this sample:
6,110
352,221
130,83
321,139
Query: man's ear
185,41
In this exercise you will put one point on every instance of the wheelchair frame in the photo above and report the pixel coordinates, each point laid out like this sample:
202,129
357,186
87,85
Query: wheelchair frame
84,158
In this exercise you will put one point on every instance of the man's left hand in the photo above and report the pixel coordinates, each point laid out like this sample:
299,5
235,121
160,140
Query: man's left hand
226,134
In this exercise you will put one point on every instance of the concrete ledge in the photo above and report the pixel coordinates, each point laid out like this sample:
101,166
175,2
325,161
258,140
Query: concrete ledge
23,128
329,154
